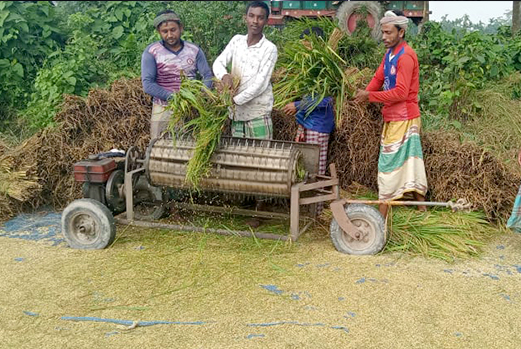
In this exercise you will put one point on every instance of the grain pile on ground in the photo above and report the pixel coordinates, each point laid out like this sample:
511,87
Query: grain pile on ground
216,291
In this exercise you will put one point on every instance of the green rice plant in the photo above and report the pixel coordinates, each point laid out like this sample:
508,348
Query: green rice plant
203,112
313,68
438,233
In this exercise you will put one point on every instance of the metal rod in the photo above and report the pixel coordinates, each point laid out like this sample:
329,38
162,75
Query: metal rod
230,210
398,203
200,229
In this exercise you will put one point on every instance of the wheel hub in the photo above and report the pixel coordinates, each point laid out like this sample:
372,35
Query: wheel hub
365,237
84,228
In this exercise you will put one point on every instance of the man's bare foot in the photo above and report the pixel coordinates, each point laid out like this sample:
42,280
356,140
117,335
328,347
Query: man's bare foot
383,208
419,197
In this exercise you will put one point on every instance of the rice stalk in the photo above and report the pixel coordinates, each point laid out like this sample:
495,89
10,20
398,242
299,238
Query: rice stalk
440,234
335,38
310,68
201,112
314,68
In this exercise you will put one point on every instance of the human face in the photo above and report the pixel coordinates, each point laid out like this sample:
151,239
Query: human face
391,36
170,32
256,19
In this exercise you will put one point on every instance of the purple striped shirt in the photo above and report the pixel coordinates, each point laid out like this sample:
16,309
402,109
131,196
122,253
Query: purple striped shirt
161,69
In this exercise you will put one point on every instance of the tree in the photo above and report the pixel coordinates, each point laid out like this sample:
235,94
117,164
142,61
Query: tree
516,17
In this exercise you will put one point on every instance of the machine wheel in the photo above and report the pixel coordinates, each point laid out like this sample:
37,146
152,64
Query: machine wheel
369,220
148,201
350,11
114,193
87,224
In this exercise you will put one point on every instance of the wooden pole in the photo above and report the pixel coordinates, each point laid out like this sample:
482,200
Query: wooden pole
425,15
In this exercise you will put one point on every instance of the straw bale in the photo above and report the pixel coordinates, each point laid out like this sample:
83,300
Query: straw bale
465,170
3,147
19,184
355,144
106,119
284,126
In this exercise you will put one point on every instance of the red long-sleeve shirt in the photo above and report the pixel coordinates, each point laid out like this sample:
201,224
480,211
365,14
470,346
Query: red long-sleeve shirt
400,102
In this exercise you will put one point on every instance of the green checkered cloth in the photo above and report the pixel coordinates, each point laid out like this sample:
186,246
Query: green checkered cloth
256,128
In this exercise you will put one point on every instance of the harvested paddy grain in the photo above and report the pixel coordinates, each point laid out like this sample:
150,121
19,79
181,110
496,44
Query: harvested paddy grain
241,293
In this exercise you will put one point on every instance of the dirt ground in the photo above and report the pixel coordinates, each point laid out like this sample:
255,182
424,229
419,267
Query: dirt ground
192,290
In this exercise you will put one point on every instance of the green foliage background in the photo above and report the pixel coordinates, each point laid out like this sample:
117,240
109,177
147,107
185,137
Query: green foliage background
47,51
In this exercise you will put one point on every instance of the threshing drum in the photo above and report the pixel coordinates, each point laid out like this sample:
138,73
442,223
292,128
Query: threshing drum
239,165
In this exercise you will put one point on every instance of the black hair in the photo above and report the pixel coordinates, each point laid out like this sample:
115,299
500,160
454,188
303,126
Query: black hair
261,4
315,30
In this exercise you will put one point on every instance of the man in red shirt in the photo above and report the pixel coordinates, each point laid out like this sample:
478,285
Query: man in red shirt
401,169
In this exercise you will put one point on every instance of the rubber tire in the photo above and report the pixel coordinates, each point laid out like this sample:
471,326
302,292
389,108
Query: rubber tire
105,227
360,212
346,9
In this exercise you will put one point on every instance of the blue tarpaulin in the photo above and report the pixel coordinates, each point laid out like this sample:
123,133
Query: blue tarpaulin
42,225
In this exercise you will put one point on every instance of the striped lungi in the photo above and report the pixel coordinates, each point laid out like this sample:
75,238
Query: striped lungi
514,222
400,164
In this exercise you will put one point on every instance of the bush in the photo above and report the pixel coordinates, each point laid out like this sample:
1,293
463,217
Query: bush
29,32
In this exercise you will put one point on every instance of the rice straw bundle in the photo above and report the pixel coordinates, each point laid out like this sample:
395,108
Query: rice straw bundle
310,68
439,234
203,113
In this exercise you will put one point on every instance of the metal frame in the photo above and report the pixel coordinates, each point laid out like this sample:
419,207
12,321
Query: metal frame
319,186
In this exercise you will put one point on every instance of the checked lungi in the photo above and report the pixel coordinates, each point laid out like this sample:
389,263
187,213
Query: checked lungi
401,168
256,128
322,139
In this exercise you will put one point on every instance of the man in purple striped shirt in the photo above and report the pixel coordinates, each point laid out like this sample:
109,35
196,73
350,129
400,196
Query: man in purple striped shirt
164,62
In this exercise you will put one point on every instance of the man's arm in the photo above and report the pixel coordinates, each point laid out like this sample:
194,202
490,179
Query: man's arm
148,78
261,81
221,62
403,83
204,68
